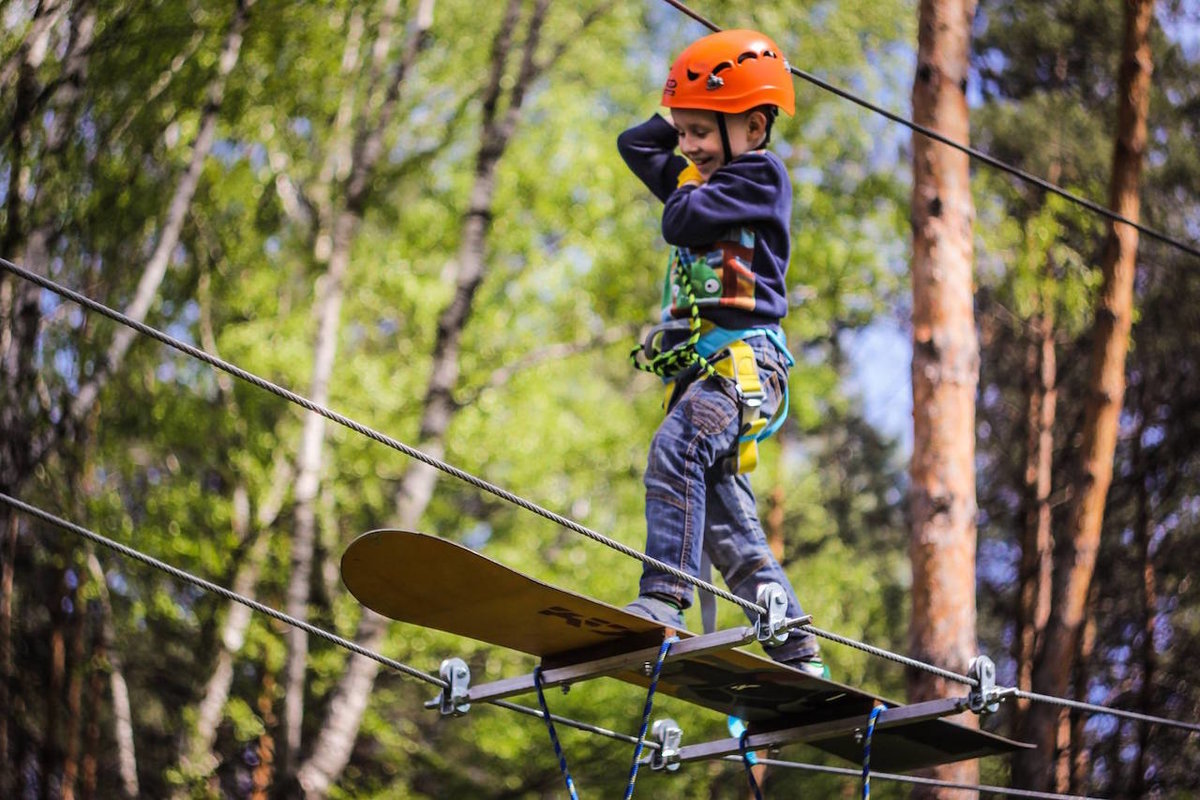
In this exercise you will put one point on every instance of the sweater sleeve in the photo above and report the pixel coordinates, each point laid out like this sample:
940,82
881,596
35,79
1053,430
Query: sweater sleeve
649,151
747,191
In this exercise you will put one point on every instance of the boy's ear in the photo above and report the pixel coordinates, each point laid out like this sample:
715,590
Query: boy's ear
756,124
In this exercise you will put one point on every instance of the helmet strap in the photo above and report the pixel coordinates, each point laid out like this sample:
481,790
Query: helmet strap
724,136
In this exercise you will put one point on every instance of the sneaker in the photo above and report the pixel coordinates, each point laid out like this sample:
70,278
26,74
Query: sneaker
812,665
657,609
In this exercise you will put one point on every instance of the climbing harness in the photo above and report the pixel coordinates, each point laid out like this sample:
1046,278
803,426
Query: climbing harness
866,770
709,351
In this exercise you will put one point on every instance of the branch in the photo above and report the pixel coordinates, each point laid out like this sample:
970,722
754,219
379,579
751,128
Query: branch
168,239
552,352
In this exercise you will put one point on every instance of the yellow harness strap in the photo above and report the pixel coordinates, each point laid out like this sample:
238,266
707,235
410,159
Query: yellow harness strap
742,369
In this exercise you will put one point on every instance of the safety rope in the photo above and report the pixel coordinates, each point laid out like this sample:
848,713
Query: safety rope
220,591
973,152
748,762
370,433
681,356
637,750
558,751
544,713
866,769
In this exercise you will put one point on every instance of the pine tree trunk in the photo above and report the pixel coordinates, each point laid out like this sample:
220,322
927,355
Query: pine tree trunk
1033,591
1076,557
945,370
8,554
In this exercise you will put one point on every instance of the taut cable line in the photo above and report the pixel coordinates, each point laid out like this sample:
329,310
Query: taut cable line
370,433
973,152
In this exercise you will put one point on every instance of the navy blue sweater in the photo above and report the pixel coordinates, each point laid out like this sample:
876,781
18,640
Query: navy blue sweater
736,224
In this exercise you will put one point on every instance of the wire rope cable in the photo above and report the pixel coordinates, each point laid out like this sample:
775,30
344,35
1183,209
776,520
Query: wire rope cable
973,152
220,591
544,715
370,433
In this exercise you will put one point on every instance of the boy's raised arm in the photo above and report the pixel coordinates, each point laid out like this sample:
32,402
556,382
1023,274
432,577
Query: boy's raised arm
649,151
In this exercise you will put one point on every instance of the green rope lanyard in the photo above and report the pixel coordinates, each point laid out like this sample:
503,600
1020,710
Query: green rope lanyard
669,363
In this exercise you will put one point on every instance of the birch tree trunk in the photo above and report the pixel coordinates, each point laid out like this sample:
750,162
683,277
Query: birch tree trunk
1075,558
196,758
340,222
945,370
334,743
122,710
168,235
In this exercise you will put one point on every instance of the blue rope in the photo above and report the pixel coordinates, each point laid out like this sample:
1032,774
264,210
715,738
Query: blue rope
748,762
866,773
637,750
562,759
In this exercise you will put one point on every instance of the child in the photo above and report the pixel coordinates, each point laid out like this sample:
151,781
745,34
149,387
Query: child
727,207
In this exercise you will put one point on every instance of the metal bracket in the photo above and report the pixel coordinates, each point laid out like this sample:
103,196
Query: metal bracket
984,698
669,736
452,701
772,629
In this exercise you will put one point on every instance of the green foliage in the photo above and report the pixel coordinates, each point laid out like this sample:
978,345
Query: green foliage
548,407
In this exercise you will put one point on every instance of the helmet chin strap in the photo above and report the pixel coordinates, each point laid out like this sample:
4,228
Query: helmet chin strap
724,136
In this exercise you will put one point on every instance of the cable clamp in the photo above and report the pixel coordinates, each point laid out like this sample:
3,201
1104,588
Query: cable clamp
984,697
452,701
669,737
772,628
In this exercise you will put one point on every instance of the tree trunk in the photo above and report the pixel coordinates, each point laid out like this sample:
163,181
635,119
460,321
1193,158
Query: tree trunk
1144,533
89,771
342,220
1033,592
945,370
196,755
168,235
1076,557
8,554
52,751
74,701
264,770
122,711
336,739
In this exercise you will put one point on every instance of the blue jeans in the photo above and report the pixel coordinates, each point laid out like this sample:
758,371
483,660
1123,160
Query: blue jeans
691,503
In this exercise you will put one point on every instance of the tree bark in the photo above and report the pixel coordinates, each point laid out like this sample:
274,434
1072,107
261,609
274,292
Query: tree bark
122,710
1033,592
196,755
8,554
945,370
74,701
1076,556
333,244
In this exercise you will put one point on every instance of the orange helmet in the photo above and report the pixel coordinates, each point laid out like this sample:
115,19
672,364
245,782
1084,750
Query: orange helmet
730,71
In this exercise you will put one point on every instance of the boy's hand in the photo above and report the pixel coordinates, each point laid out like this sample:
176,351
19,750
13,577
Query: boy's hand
689,177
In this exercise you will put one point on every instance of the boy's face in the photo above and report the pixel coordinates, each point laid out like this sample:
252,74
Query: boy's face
700,138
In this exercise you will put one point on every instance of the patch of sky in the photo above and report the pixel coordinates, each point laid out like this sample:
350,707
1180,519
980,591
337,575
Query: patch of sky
880,361
301,126
1179,24
477,536
227,151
